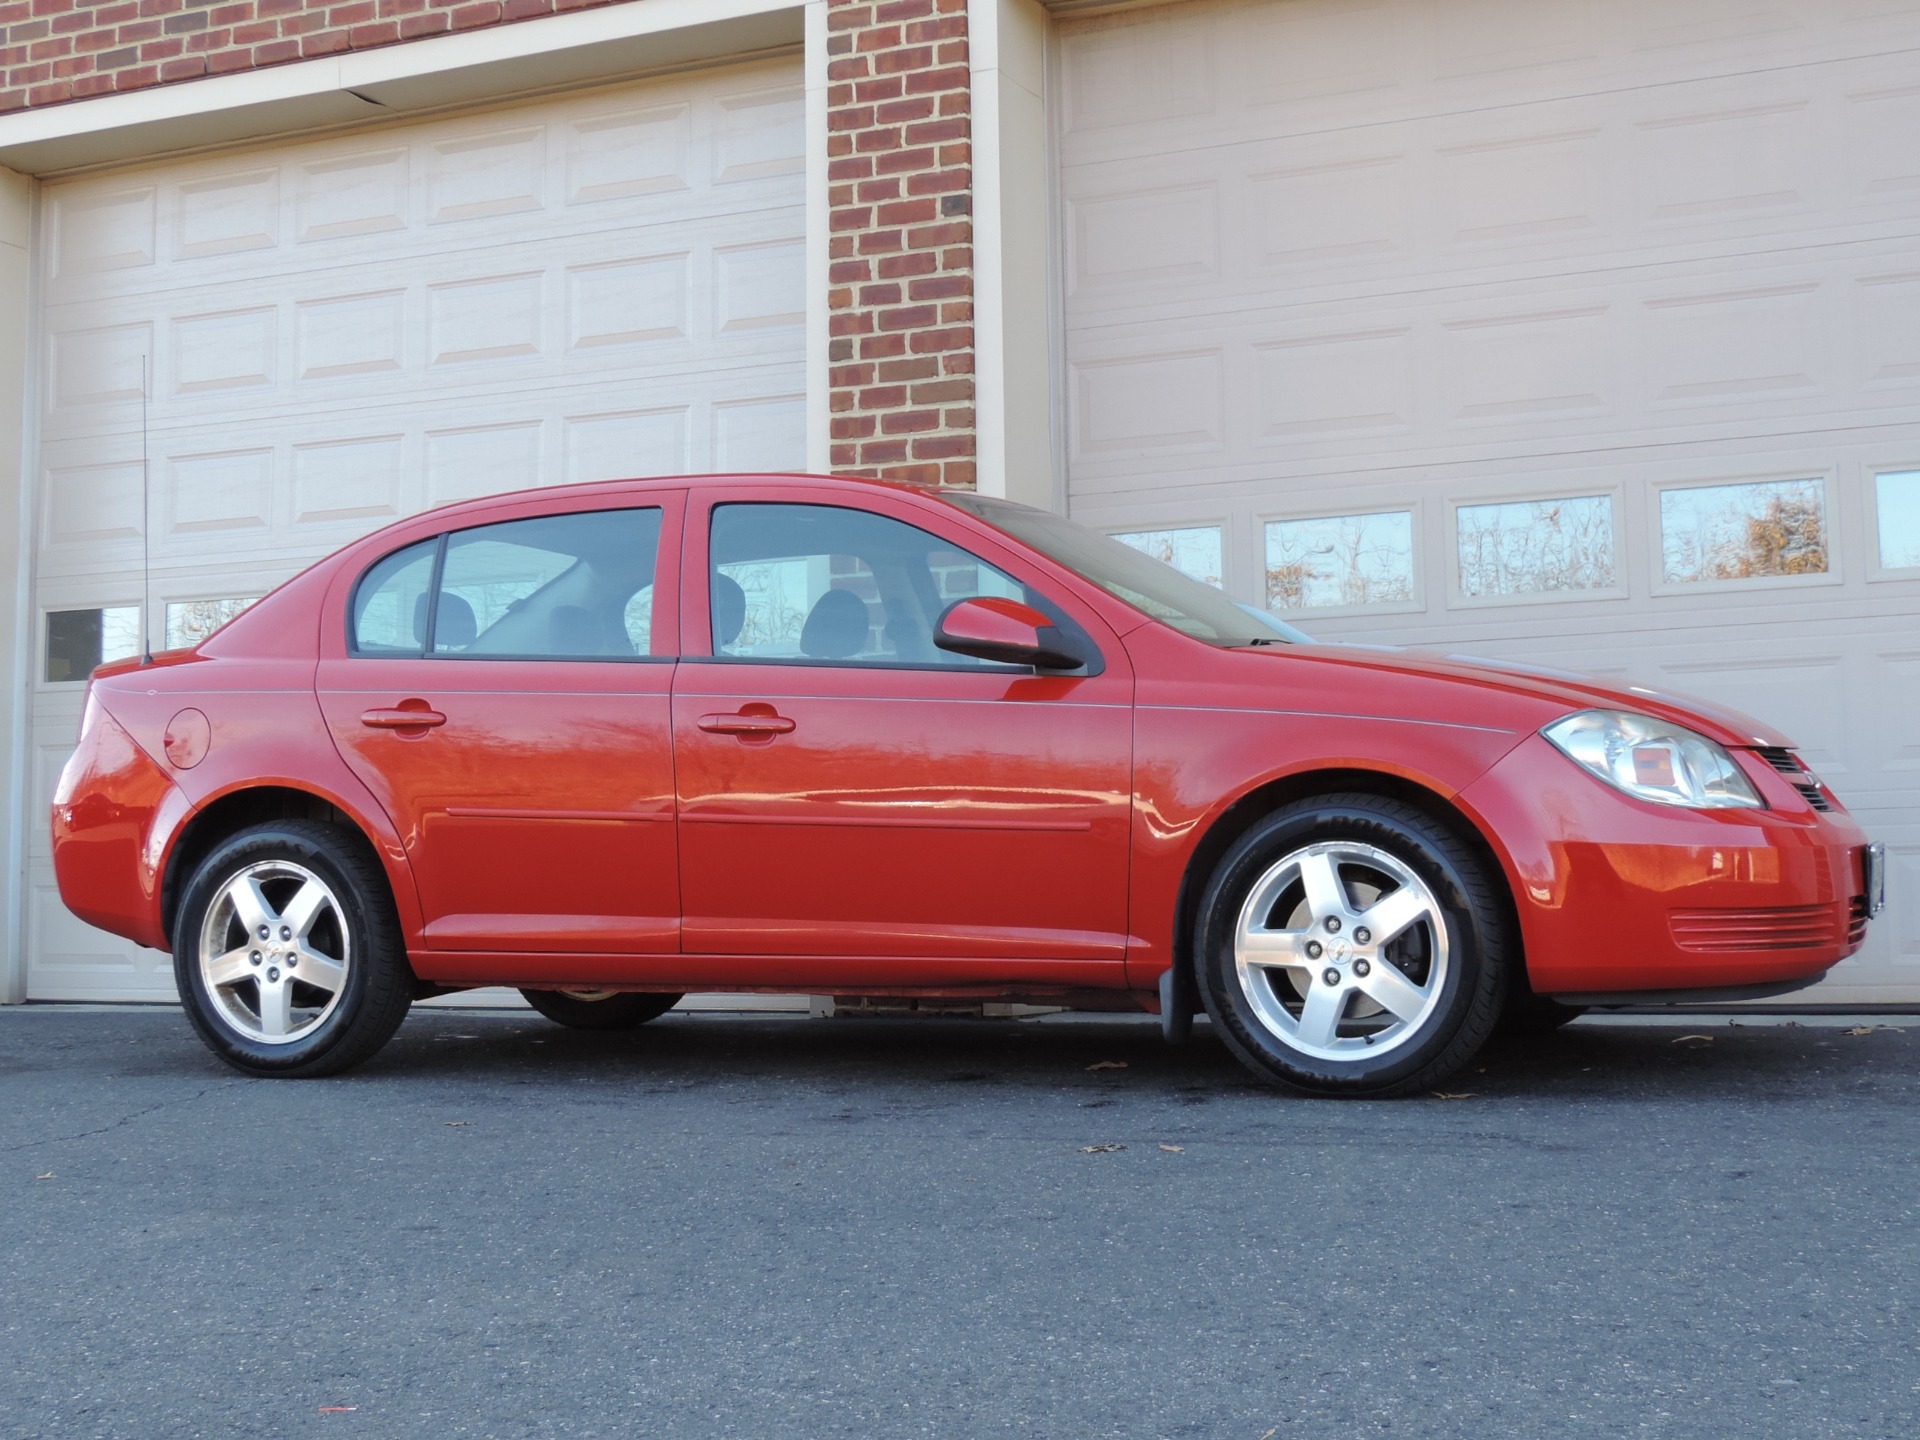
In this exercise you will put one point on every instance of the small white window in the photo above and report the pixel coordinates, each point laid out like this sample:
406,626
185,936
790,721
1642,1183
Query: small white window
80,640
1897,501
1334,561
1533,547
1756,530
1192,550
191,621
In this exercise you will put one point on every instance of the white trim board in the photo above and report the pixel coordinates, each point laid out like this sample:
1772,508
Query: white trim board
518,58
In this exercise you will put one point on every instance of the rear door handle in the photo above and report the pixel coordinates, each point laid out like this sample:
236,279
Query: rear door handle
768,725
401,719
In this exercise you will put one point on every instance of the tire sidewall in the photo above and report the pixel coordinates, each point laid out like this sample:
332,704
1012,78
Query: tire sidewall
1416,845
369,941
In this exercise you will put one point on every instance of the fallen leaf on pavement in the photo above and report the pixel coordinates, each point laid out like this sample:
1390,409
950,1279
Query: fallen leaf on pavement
1861,1030
47,1176
1455,1094
1108,1065
1100,1149
1173,1149
455,1124
1695,1039
338,1409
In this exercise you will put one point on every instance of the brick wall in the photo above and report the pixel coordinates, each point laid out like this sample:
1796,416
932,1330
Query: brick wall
900,297
58,50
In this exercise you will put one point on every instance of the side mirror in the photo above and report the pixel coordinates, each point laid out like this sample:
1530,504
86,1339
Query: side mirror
990,628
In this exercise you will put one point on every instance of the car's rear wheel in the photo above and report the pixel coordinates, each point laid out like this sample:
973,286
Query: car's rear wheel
1350,945
287,951
600,1009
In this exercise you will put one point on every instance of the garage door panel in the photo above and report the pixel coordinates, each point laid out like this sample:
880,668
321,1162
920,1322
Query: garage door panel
334,333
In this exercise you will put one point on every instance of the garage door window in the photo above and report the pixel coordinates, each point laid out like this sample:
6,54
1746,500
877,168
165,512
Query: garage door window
1192,550
191,621
1536,547
1897,503
1340,561
1764,529
79,640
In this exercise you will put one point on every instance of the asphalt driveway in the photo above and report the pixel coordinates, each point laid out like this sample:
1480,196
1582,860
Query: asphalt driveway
737,1226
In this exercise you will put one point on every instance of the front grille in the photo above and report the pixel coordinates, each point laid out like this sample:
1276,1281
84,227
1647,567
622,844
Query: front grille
1788,764
1857,920
1775,927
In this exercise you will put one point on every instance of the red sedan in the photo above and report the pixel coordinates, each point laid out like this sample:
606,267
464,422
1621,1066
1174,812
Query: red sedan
615,743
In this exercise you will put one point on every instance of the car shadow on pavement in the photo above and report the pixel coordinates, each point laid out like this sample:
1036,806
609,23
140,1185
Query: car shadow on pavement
1599,1058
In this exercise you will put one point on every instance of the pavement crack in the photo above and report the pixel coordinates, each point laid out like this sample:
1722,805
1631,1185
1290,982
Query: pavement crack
121,1123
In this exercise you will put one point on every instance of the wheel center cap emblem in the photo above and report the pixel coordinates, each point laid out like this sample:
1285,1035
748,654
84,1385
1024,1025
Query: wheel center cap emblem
1338,950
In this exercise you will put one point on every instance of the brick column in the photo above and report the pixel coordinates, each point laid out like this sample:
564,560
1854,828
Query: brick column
900,282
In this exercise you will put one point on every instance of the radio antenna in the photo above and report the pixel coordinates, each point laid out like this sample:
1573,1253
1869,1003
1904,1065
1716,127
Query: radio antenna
146,526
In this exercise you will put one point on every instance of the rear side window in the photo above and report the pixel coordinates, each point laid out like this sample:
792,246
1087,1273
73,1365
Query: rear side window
390,603
574,587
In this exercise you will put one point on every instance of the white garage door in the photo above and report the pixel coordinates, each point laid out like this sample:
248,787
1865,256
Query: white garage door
1584,333
338,332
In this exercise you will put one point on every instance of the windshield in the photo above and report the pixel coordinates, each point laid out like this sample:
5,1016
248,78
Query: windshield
1147,584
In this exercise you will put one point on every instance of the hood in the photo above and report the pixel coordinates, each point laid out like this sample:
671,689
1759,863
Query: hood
1560,687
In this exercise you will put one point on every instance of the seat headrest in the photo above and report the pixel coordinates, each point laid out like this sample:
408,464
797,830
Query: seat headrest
836,627
729,604
454,627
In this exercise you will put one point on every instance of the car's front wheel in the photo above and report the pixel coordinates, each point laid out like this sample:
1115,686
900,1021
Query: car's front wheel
288,953
599,1009
1350,945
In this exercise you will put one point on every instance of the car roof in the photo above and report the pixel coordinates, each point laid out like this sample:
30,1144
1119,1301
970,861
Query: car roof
592,489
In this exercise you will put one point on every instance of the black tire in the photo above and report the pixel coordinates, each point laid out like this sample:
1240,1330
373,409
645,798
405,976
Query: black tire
1307,1018
600,1009
1530,1016
357,985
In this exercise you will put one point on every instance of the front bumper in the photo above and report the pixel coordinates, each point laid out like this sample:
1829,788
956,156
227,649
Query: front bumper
1617,895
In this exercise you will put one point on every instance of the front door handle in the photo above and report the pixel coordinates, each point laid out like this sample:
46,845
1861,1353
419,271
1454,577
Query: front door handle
402,718
764,725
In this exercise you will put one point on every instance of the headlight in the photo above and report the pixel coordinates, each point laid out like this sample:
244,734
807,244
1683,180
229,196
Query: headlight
1652,760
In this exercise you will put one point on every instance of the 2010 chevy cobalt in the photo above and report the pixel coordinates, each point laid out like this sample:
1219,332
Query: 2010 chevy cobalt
615,743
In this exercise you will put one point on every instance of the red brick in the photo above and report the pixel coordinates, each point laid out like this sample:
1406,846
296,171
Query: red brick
958,337
895,62
909,317
877,295
184,68
883,452
932,82
942,447
896,10
909,422
276,52
913,262
883,397
907,368
879,37
906,212
852,427
896,162
380,33
328,42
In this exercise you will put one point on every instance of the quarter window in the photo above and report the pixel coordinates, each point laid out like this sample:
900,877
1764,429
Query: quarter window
390,603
